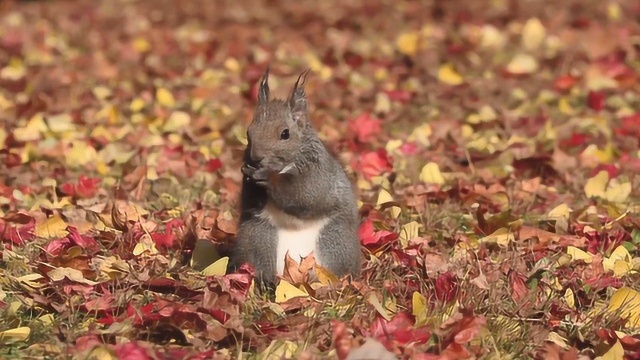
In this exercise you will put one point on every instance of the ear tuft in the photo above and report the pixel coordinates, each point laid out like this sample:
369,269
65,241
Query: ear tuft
298,98
263,91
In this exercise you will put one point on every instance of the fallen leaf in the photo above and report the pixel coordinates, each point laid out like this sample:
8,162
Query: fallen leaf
522,64
431,174
14,335
286,291
218,268
447,74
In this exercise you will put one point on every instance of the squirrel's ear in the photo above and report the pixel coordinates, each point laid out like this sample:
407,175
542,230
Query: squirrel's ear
263,91
298,99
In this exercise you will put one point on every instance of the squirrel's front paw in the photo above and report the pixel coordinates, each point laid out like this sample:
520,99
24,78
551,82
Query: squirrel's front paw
248,170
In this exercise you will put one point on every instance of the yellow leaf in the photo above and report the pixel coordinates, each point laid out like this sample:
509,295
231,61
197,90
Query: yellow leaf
595,186
619,262
204,253
616,352
577,254
61,273
384,197
393,145
53,227
101,92
373,300
409,231
613,191
407,43
14,335
501,237
419,303
141,45
625,303
447,74
395,211
557,339
286,291
560,211
136,105
569,298
145,244
60,123
177,120
533,34
492,38
431,174
325,276
280,349
421,134
165,98
30,280
33,130
101,352
218,268
522,64
80,154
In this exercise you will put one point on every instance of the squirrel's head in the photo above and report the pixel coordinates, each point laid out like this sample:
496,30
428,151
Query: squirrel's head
279,128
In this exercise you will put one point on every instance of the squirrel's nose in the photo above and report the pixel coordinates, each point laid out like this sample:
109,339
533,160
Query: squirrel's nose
256,158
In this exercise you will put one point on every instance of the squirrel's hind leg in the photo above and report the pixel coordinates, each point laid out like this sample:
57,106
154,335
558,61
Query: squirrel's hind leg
339,248
256,243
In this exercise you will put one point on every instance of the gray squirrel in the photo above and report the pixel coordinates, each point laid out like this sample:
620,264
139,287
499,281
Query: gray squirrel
295,196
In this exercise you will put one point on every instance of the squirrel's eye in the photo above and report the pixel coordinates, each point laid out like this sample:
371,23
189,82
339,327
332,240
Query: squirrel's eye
284,135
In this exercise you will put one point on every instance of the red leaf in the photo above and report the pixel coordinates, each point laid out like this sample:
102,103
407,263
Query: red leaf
17,234
213,165
365,127
399,95
87,187
446,287
595,100
371,238
131,351
564,82
630,126
373,163
610,168
400,329
84,241
341,340
519,289
167,239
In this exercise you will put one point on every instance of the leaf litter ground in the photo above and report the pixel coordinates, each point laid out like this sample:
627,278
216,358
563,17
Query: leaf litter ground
494,145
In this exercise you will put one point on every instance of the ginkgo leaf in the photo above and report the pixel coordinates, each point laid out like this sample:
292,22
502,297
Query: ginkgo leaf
419,306
560,211
619,262
61,273
325,276
625,303
14,335
577,254
204,253
522,64
145,244
286,291
395,211
52,228
615,352
177,120
569,298
279,349
421,134
447,74
502,237
533,34
613,191
431,174
384,197
165,98
407,43
373,300
218,268
409,231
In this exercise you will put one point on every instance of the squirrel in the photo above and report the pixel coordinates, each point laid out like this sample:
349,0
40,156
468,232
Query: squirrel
296,197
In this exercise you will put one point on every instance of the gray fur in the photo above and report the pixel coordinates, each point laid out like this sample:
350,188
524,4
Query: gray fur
314,186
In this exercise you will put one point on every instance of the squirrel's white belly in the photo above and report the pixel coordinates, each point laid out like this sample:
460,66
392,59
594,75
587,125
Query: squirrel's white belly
297,236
